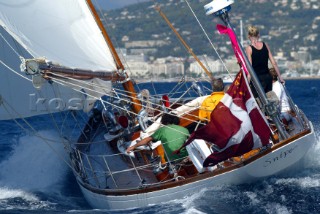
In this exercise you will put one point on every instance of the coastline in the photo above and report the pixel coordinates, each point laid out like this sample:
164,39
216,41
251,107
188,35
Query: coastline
204,79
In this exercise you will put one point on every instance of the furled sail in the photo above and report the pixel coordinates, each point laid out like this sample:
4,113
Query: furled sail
63,32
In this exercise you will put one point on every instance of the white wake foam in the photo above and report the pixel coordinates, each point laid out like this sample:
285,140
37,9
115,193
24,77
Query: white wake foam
33,165
312,157
305,182
27,201
6,193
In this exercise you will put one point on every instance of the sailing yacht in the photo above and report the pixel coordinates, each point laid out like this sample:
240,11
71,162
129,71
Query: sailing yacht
69,52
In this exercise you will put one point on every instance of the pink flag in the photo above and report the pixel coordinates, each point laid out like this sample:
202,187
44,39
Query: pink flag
225,30
236,126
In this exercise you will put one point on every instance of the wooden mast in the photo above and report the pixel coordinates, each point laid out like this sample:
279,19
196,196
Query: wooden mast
183,42
127,85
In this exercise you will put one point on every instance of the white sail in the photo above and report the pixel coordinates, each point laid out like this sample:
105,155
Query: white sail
64,32
18,97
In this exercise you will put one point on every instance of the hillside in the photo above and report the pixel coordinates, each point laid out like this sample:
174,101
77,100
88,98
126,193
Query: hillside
287,25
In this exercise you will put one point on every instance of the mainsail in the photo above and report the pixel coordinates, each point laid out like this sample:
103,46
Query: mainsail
64,32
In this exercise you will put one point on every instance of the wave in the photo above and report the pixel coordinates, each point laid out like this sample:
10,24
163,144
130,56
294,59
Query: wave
11,199
32,165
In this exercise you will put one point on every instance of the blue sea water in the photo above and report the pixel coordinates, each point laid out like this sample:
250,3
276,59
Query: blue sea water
35,179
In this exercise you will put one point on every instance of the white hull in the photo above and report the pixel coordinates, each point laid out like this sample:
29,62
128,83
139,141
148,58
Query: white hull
77,53
270,164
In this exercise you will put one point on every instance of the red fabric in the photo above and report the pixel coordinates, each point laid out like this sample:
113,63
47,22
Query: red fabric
236,126
232,151
165,100
225,30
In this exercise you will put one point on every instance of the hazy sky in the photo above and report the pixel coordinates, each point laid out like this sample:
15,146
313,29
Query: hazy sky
113,4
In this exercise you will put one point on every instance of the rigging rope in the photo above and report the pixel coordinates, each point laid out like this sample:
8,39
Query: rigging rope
111,104
10,46
17,73
118,107
204,31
